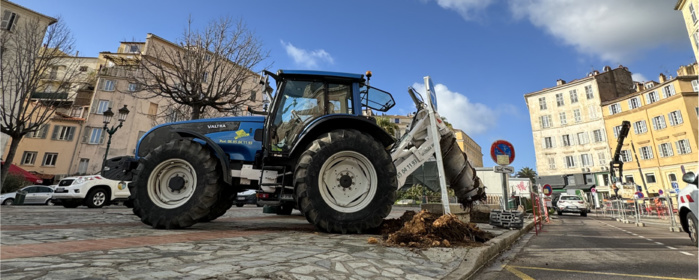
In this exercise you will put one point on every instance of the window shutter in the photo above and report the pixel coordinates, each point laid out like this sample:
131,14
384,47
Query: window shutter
6,19
101,84
102,137
110,105
71,132
56,128
86,134
14,23
44,131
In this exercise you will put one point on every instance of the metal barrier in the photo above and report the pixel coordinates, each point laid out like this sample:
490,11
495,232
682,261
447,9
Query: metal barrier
642,212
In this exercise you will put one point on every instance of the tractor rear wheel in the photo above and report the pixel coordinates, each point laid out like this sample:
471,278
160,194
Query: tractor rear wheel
176,185
345,182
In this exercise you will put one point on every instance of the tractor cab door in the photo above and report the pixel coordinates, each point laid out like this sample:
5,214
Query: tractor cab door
298,103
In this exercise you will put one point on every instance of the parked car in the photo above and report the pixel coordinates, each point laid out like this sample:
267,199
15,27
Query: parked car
247,197
92,191
36,194
688,205
570,203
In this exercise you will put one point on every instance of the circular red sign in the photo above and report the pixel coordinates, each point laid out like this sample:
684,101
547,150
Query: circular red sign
547,190
502,150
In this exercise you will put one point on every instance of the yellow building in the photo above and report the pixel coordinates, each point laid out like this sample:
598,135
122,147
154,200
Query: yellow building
470,147
691,20
663,133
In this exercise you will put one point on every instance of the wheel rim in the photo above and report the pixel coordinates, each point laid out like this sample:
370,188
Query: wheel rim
692,229
99,198
10,202
172,183
347,182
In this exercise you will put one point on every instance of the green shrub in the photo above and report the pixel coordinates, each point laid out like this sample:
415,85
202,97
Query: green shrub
14,182
416,193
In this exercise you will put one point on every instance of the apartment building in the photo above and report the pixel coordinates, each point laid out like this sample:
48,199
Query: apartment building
691,20
470,147
662,141
570,141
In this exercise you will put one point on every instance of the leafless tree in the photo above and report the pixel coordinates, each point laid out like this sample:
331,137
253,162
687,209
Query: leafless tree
205,69
35,78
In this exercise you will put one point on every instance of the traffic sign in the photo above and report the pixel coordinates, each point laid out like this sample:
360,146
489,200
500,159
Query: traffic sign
502,152
639,195
660,192
504,169
593,190
547,190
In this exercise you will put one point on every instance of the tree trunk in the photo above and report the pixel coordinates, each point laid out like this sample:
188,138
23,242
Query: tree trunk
196,112
14,143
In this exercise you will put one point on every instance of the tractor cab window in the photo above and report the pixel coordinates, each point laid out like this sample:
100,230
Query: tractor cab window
301,102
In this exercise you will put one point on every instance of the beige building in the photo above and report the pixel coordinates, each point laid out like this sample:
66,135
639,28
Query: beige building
470,147
663,137
691,20
568,128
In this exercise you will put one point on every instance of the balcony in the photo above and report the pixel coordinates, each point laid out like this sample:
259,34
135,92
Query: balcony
59,96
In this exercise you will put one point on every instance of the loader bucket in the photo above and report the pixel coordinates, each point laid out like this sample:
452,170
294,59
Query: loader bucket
460,175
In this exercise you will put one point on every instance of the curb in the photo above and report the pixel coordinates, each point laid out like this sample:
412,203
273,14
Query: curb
477,257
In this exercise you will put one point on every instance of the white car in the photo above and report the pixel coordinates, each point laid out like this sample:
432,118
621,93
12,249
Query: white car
92,191
36,194
687,199
570,203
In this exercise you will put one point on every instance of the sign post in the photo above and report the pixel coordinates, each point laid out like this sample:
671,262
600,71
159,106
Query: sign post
503,153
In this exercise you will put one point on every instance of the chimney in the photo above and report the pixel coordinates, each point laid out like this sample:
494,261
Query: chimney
639,86
607,69
661,78
595,72
560,82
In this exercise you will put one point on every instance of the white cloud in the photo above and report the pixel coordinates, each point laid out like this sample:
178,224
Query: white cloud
638,77
615,31
468,9
305,58
472,118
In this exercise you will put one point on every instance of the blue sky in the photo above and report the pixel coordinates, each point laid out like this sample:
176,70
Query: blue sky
483,55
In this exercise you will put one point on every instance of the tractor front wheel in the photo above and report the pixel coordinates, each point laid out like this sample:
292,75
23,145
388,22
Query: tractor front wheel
176,185
345,182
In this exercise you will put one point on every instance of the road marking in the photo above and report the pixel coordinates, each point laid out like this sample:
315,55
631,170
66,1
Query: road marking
672,248
649,239
641,236
518,273
599,273
688,254
659,243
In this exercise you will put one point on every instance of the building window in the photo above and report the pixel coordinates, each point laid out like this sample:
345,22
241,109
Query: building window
207,57
659,122
683,147
253,95
665,150
593,112
133,87
570,179
598,135
573,96
672,178
675,118
552,163
28,158
586,160
562,116
614,109
566,140
96,136
640,127
577,116
605,179
588,92
82,69
617,130
542,103
634,103
695,85
583,138
63,133
650,178
152,110
602,157
629,179
548,142
692,13
205,77
625,155
77,112
107,85
50,159
82,167
652,97
40,132
559,99
102,106
570,162
646,152
668,91
545,121
9,21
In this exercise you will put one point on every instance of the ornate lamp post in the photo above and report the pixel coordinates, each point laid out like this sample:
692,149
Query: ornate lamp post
123,112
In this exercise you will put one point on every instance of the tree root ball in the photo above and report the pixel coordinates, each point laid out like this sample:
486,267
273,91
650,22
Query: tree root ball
425,230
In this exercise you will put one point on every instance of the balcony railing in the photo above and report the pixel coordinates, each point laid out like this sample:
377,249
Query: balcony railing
59,96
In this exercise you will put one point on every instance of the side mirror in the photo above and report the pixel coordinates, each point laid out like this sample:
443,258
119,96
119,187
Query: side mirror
689,178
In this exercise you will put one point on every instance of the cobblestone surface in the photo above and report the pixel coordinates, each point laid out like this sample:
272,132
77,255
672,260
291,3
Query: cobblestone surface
52,242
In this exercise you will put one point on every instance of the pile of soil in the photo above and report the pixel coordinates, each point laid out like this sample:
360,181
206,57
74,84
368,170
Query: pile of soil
425,230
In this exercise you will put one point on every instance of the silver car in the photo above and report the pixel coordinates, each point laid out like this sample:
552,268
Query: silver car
36,194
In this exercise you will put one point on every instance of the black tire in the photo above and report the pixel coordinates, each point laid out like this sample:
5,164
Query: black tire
223,203
70,204
371,209
97,198
176,185
50,202
559,213
239,205
692,227
8,201
583,214
285,209
128,203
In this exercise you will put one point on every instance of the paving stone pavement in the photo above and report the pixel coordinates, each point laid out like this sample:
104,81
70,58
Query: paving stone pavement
52,242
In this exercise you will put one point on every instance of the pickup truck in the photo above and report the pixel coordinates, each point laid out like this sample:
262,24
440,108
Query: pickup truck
92,191
688,206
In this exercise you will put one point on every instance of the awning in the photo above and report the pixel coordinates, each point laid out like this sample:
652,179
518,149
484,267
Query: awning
556,182
579,187
30,177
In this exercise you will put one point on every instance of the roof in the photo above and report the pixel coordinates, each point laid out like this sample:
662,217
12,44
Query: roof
320,73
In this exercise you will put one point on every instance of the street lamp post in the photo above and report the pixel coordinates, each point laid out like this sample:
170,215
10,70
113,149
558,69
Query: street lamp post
123,112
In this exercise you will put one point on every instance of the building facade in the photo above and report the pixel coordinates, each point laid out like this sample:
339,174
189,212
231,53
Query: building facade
470,147
691,20
662,140
568,128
